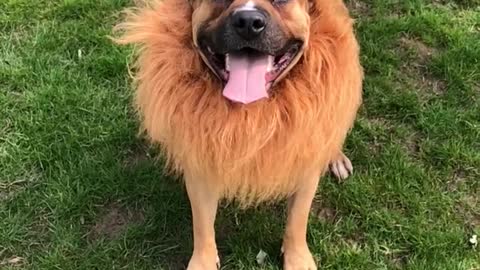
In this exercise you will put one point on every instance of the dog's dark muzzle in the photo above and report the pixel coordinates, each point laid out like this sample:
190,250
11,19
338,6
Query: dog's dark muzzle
245,29
249,24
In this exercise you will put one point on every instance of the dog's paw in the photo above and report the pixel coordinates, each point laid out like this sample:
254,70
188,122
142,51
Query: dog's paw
203,262
341,167
298,259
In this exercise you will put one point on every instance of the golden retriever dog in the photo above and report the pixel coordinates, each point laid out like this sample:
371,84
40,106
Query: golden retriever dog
250,100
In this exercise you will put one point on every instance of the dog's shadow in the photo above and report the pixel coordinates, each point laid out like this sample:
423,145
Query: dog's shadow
154,214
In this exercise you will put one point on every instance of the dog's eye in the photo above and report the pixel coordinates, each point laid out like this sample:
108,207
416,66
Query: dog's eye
280,2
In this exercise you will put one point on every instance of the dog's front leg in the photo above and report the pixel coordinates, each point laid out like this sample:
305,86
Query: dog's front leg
204,202
296,254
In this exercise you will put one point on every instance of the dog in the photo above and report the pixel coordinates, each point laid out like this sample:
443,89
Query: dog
250,100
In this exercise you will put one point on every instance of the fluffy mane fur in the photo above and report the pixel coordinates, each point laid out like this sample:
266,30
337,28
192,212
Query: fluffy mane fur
256,152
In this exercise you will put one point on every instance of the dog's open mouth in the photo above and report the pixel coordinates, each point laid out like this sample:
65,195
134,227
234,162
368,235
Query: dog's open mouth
248,74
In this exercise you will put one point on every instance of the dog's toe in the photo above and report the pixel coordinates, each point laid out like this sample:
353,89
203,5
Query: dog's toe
341,167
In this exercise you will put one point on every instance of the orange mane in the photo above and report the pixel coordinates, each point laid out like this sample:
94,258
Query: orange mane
257,152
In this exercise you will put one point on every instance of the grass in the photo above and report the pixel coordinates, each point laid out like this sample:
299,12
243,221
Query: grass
79,190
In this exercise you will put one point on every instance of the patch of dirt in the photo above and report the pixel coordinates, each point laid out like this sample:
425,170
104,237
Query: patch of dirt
114,221
413,144
355,242
9,189
455,4
409,141
399,261
425,81
137,155
472,216
467,210
468,205
380,122
398,258
437,86
459,177
358,7
323,213
423,51
416,69
376,144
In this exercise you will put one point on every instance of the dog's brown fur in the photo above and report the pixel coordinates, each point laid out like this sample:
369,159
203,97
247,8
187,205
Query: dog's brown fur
257,152
273,148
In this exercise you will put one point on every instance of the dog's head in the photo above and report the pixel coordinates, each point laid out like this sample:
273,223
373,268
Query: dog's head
250,44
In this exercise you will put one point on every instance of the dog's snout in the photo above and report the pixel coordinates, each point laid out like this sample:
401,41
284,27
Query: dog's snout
249,24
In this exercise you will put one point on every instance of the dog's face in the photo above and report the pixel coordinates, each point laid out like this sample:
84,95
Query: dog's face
250,44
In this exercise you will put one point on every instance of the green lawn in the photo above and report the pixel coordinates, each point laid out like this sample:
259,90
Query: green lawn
79,190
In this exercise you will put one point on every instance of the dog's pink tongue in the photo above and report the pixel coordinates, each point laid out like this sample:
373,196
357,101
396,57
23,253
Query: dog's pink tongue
246,82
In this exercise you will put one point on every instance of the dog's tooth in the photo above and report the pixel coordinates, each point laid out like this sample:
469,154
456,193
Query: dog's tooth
227,62
210,50
271,60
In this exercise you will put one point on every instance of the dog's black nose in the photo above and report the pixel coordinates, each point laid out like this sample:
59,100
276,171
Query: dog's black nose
249,24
